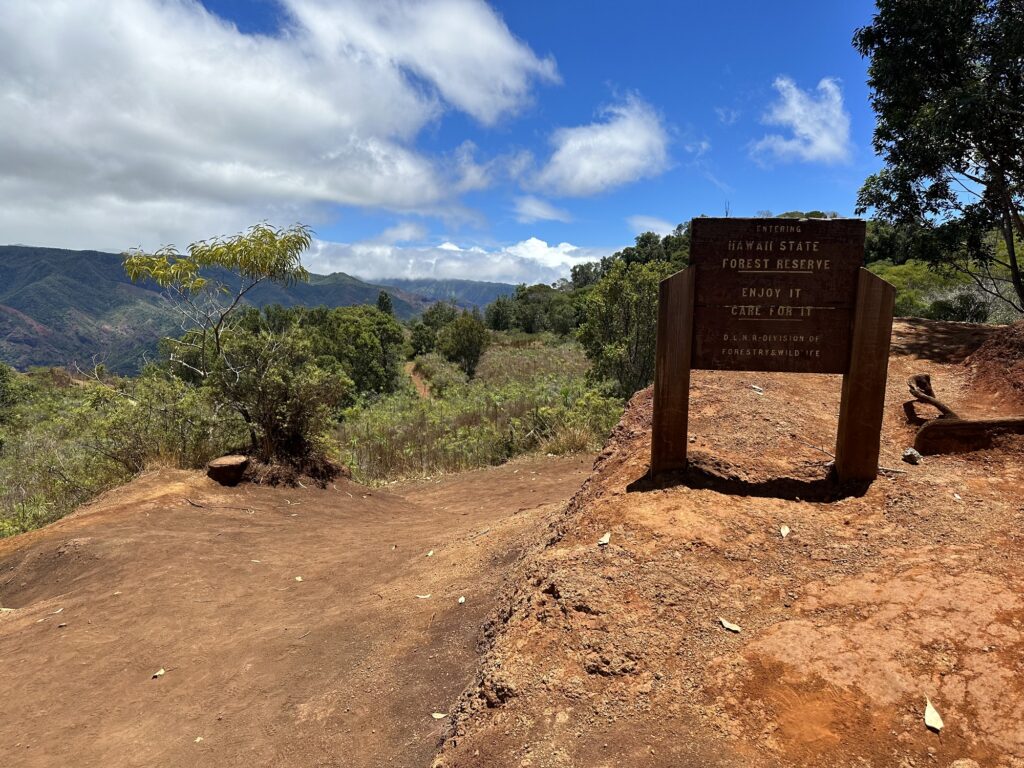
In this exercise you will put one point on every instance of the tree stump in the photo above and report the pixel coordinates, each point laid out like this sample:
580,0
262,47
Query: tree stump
227,470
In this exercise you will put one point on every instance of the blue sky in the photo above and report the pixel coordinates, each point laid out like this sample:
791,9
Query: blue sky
448,138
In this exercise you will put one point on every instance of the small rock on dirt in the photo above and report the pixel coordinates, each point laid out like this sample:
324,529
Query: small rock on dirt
227,470
911,456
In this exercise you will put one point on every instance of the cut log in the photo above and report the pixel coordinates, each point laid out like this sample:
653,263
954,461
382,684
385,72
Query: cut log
962,435
227,470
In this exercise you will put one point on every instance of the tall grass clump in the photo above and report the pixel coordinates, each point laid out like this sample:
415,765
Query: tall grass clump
522,400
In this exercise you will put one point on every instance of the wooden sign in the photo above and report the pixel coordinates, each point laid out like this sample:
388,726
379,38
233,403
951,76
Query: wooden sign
776,295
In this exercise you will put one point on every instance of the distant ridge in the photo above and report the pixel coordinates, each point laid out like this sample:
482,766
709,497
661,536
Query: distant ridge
60,306
467,293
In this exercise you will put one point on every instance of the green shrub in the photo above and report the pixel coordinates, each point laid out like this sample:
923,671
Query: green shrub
621,323
440,374
463,341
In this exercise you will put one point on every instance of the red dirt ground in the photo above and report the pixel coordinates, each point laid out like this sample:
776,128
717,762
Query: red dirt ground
173,572
876,599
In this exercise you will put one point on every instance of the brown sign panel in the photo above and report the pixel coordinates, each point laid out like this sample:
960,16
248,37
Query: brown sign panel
775,294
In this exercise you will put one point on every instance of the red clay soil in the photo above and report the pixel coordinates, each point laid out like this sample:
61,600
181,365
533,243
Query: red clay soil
999,361
878,598
175,573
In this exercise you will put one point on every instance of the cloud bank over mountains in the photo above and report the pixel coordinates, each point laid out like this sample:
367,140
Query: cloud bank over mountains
150,122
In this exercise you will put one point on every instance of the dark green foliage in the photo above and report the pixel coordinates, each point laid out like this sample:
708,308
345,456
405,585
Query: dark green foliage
463,341
439,315
366,343
10,391
286,394
500,314
422,338
947,82
619,332
583,275
384,303
964,307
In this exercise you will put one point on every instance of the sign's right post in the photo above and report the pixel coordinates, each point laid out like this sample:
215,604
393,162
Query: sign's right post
863,399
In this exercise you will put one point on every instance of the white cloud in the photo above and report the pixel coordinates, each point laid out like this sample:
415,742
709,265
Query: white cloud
529,261
529,209
154,120
820,125
630,143
641,224
727,115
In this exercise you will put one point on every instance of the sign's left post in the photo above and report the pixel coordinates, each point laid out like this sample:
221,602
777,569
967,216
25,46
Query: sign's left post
672,372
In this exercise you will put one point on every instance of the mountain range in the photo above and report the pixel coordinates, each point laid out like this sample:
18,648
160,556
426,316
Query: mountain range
59,307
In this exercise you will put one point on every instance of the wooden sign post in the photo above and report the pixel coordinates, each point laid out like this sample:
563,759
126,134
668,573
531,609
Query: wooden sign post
776,295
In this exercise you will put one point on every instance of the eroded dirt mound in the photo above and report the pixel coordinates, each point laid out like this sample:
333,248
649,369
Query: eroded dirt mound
999,361
872,603
289,626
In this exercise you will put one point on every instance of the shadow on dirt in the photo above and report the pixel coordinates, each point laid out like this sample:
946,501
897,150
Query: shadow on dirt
709,474
939,340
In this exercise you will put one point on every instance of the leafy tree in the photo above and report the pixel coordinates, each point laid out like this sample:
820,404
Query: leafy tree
947,82
463,341
500,314
384,303
439,314
584,275
366,342
208,284
620,328
286,394
422,339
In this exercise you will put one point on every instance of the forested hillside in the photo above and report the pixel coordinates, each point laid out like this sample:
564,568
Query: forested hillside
60,306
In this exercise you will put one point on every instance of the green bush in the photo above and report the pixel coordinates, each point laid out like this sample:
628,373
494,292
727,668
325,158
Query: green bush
620,329
463,341
440,374
66,440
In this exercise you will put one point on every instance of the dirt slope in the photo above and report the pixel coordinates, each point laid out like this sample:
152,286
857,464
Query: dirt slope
342,668
615,656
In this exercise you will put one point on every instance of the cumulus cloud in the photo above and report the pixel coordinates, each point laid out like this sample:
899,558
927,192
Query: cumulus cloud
641,224
123,120
529,209
628,144
529,261
820,124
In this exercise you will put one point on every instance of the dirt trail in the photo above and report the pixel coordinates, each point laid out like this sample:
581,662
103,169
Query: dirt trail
422,388
875,600
172,572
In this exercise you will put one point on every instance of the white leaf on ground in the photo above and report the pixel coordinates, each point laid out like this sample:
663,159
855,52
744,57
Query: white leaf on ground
423,597
730,626
438,715
956,496
158,673
430,553
784,530
757,389
254,561
462,599
298,578
932,718
198,739
604,540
